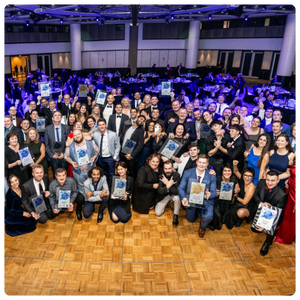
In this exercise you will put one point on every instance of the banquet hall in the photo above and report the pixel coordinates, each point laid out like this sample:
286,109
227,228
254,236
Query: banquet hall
203,52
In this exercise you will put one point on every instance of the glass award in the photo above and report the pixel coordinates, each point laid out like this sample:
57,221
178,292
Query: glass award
195,193
170,148
45,89
267,218
119,188
40,124
25,156
226,190
82,90
156,129
101,97
64,197
165,88
82,156
57,147
38,204
128,147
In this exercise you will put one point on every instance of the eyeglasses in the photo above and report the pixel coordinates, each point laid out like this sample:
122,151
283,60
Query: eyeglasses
248,176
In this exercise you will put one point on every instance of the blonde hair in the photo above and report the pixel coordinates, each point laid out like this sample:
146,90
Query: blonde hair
37,136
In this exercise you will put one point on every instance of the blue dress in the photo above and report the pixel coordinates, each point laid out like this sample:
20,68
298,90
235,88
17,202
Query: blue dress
145,153
252,162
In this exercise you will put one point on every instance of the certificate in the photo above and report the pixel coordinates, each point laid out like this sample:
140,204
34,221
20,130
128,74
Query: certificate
64,197
195,193
267,218
25,156
45,89
128,147
165,88
38,204
82,156
40,124
82,90
119,187
100,97
169,148
226,190
57,147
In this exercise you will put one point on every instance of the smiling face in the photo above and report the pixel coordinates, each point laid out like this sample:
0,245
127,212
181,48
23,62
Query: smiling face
121,171
32,134
61,177
179,130
14,182
272,181
247,176
255,123
281,142
202,164
38,174
227,173
154,163
262,142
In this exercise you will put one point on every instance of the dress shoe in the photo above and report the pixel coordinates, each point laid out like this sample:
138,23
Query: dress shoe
79,216
201,231
264,249
100,217
175,220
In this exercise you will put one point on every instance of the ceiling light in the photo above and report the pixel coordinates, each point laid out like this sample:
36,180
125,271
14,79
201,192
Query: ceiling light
246,18
209,17
27,23
172,17
61,21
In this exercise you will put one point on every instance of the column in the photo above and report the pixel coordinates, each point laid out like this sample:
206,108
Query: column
75,39
133,48
287,54
192,46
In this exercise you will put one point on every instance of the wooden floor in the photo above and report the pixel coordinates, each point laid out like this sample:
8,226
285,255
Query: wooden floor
146,256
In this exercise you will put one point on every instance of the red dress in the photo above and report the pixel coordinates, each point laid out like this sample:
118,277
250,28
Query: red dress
286,230
70,168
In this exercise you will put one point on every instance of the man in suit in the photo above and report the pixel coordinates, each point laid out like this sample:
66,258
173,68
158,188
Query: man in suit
64,76
213,108
25,125
47,112
8,127
109,148
154,104
116,120
109,108
32,106
276,131
172,114
277,116
65,107
155,118
201,174
136,134
36,186
56,132
269,193
128,123
13,113
137,100
221,105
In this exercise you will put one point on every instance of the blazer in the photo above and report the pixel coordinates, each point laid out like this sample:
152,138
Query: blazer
50,137
285,129
18,122
236,152
162,190
113,142
272,141
65,111
113,120
209,180
133,103
29,190
189,126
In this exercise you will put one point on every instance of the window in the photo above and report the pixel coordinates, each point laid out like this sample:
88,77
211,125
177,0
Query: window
226,24
267,21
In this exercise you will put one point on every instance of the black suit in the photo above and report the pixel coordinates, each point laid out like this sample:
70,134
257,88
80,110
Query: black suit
272,140
133,103
113,120
29,191
189,126
47,113
149,109
236,152
64,109
169,115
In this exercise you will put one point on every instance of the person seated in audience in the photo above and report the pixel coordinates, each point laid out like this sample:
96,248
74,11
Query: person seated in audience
269,101
146,185
17,220
201,174
222,205
159,138
259,98
119,208
172,114
253,131
277,116
60,183
276,131
36,186
96,192
269,193
293,137
226,116
213,109
168,191
56,132
9,127
221,105
204,130
236,103
216,146
267,117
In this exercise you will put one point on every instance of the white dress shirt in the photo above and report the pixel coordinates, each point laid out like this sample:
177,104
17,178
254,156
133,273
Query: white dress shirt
105,149
118,123
36,185
107,112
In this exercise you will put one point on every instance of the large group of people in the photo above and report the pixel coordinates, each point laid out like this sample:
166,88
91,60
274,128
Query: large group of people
89,147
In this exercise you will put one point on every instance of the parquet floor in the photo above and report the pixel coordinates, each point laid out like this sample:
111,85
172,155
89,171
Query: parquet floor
146,256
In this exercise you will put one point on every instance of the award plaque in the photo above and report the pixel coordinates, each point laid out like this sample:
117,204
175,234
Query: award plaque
38,204
40,124
57,147
195,194
45,89
267,218
118,188
82,156
101,97
82,90
226,190
25,156
165,88
169,148
64,197
128,147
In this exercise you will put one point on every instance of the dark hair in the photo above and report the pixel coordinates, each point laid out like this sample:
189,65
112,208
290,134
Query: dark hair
273,173
122,164
277,121
192,145
264,150
214,122
12,134
227,166
288,147
10,177
118,105
101,120
95,168
86,121
145,111
141,116
202,116
250,170
168,162
184,129
235,116
151,157
60,170
57,111
257,117
236,127
134,109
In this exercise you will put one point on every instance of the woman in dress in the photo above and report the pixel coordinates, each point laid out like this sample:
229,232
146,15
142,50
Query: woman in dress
254,131
258,156
168,71
82,115
119,208
17,220
293,137
243,207
287,228
37,147
126,107
146,185
90,124
204,130
221,206
71,121
159,139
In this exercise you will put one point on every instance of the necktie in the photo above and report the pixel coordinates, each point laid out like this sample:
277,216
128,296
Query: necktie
109,106
57,134
199,178
267,189
41,189
101,143
118,116
219,111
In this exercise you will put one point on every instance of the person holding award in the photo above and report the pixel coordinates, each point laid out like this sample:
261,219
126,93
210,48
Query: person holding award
96,191
269,194
197,191
121,188
64,193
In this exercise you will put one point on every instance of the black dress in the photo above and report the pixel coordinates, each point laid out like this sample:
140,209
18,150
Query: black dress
231,218
157,144
144,194
221,206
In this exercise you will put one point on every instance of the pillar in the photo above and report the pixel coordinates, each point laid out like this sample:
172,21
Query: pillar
192,45
133,48
75,37
287,54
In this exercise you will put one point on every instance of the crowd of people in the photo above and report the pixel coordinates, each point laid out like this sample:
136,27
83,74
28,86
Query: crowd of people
88,147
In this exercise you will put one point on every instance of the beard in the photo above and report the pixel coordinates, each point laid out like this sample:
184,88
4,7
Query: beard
79,141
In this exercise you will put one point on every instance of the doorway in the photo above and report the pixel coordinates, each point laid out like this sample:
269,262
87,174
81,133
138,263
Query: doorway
226,59
44,63
251,63
274,64
19,66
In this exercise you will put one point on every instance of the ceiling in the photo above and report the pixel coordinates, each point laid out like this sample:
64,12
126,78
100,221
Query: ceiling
83,14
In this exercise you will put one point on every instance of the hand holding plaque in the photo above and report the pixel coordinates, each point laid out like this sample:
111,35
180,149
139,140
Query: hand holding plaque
170,148
25,156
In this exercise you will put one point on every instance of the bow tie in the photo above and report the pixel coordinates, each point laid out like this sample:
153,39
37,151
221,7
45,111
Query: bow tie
267,189
109,106
118,116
